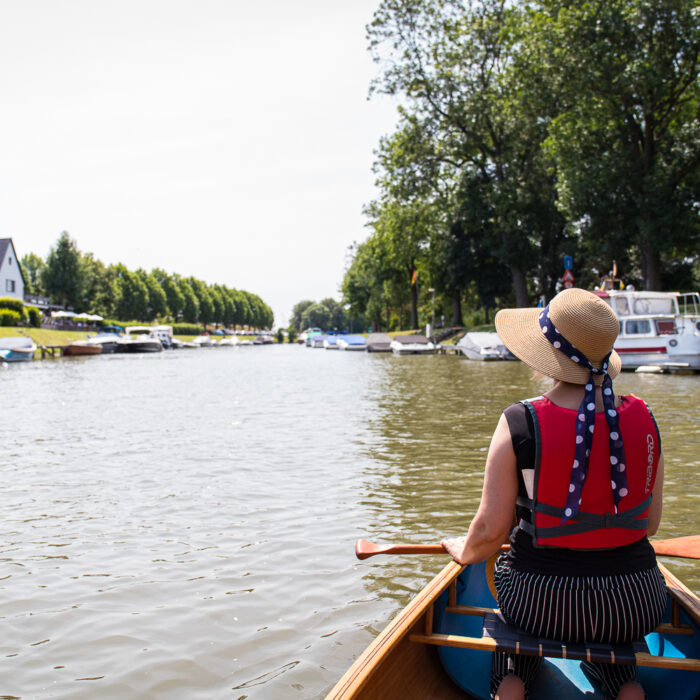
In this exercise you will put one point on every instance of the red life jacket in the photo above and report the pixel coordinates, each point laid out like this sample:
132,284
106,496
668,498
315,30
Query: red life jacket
596,526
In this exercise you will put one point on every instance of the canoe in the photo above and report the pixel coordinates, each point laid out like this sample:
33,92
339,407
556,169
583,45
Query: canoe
440,645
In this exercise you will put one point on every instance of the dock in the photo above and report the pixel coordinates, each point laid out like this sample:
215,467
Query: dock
51,351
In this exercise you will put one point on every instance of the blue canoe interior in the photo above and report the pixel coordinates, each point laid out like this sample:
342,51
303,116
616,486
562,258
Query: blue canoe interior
440,646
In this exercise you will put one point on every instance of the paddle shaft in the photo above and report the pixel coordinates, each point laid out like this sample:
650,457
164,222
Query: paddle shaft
686,547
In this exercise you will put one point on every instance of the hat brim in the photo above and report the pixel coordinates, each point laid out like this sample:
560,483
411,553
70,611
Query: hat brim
520,331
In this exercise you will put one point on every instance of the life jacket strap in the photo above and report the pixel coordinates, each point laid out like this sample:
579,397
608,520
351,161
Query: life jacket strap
584,522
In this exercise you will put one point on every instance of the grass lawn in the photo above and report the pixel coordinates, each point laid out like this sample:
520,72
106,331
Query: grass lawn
43,336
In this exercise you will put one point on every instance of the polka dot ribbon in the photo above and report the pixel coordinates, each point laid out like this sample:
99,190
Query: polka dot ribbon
585,424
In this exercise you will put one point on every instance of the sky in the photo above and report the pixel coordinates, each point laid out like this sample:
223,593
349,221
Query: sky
225,139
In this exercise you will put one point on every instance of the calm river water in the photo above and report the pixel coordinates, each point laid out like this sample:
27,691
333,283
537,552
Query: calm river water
183,525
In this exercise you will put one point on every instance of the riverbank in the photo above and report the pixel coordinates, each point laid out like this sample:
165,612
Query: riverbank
48,337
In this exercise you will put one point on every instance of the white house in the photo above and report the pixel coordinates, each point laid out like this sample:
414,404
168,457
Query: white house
11,275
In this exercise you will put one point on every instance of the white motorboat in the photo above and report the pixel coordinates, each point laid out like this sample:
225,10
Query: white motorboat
412,345
229,341
203,341
484,346
352,342
183,344
139,339
658,329
17,349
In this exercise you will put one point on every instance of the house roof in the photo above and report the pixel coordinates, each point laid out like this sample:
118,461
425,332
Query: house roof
5,243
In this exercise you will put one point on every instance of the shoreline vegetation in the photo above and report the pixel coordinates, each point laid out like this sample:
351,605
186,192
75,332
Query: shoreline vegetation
532,137
71,278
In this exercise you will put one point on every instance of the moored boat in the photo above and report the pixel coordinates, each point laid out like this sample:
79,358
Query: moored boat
330,342
378,342
203,341
139,339
412,345
17,349
440,646
656,328
309,334
108,341
352,342
82,347
483,346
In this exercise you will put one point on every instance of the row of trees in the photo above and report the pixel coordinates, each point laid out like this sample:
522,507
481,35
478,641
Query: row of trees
326,314
530,130
80,280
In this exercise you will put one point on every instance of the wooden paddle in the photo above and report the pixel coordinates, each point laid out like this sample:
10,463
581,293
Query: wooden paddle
687,547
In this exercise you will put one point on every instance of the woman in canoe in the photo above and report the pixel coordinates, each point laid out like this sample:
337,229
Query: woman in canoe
583,471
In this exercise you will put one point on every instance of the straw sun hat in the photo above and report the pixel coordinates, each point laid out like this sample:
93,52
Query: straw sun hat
583,318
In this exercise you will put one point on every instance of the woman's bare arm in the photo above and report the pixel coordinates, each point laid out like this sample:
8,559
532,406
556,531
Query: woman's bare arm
494,518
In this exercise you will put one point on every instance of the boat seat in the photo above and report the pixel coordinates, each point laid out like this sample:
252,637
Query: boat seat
498,635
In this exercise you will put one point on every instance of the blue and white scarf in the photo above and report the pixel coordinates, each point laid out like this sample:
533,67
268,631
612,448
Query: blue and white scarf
585,424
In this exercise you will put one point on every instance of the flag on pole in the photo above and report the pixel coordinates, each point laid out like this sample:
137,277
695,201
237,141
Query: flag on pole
414,277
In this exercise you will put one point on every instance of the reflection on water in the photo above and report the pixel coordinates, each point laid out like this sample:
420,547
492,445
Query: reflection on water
185,523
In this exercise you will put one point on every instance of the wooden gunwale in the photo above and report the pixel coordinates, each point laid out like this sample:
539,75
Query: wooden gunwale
406,622
370,660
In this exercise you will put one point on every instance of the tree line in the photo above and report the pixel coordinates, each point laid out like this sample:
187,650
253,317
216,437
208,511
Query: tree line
326,314
529,130
81,281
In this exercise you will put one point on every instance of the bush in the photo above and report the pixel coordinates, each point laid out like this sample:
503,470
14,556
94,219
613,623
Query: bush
13,304
10,317
186,329
33,316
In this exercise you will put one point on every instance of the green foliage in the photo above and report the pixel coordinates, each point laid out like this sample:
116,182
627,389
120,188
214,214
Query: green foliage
33,316
291,334
13,304
280,335
317,316
297,311
10,317
529,131
186,329
62,277
33,267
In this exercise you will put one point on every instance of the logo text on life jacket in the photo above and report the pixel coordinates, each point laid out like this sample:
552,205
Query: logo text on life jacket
650,462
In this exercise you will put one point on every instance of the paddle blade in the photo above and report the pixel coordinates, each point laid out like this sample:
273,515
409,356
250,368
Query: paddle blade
688,547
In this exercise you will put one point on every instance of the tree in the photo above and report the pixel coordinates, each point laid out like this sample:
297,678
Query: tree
100,290
338,319
316,316
33,267
173,294
133,295
451,60
297,311
62,277
190,307
626,143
